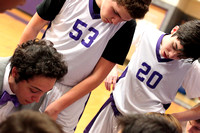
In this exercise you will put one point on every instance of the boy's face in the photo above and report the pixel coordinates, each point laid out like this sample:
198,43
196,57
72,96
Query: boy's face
171,48
113,13
9,4
192,127
29,91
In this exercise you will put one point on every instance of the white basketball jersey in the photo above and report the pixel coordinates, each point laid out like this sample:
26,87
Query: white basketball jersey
80,37
149,81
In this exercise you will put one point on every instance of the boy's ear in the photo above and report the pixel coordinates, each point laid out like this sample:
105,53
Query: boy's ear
14,72
174,29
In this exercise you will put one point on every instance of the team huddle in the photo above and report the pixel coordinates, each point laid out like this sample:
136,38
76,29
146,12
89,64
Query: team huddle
83,42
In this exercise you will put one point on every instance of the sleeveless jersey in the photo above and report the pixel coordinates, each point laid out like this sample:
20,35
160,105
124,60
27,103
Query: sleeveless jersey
81,36
149,81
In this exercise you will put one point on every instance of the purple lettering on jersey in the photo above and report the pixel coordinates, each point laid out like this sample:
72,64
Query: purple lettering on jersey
75,27
155,76
91,38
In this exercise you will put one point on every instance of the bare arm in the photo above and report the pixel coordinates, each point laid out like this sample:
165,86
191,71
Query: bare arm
101,70
33,28
191,114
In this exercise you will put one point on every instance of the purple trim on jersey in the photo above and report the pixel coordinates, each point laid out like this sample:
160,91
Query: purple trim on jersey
158,49
116,112
123,74
83,109
49,25
93,15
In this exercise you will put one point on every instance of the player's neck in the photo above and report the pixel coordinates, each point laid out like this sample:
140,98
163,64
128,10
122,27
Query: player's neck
98,2
165,39
96,7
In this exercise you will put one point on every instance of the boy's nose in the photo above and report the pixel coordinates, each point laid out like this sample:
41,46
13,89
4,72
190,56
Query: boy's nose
116,20
173,55
36,98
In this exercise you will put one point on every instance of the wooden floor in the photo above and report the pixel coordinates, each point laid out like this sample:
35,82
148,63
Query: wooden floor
12,24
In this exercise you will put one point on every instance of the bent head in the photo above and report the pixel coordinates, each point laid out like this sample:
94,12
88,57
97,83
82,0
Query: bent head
29,121
31,90
171,48
184,41
35,67
148,123
115,11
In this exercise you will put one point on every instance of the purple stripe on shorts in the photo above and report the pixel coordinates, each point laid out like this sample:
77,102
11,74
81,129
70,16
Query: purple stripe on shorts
116,112
83,109
123,74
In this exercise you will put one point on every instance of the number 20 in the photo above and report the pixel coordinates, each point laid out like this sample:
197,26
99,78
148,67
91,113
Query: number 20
145,71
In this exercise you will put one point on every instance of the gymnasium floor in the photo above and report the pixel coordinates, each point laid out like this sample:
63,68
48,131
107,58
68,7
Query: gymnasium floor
12,24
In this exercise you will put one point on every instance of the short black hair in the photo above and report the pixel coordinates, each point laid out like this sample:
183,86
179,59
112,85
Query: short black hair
189,36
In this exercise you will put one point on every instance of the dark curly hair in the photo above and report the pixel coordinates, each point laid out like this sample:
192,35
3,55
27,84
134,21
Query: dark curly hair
38,58
136,8
189,36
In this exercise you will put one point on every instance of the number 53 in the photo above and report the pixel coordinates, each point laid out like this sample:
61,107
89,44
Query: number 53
79,33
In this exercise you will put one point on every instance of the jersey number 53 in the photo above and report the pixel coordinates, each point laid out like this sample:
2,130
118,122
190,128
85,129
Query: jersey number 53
76,37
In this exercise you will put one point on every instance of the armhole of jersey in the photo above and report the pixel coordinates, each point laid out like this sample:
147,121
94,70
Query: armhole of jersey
118,46
49,9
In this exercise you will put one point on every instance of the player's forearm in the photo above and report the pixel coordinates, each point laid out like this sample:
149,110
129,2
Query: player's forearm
192,114
33,28
75,94
27,35
86,86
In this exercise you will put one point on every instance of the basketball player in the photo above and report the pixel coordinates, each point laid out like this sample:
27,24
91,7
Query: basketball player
154,74
93,35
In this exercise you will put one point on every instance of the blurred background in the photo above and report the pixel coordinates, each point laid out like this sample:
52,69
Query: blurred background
163,15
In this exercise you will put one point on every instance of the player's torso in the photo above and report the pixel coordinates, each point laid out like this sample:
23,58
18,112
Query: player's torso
81,37
149,81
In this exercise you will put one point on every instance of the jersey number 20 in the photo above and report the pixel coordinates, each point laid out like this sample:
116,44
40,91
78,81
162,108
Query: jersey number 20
153,79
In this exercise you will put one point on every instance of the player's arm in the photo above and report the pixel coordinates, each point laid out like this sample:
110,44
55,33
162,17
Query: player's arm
33,28
191,114
191,80
47,10
191,85
101,70
117,50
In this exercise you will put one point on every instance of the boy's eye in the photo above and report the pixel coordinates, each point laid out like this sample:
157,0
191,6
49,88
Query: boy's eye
116,12
174,46
34,90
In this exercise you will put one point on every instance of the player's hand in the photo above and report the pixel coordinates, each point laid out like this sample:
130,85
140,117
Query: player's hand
52,110
111,79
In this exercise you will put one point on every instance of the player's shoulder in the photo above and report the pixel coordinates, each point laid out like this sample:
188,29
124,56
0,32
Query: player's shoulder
48,9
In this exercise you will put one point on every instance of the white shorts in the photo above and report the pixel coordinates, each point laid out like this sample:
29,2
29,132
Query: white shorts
70,116
105,122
